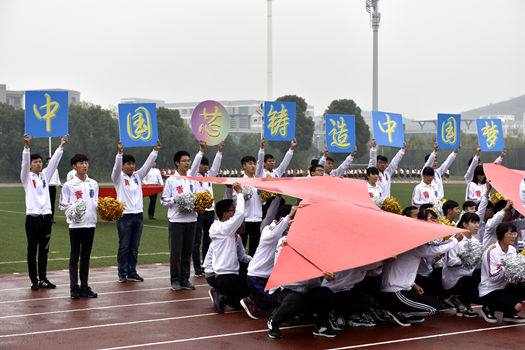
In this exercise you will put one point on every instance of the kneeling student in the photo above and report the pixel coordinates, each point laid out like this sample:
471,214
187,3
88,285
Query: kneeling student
82,231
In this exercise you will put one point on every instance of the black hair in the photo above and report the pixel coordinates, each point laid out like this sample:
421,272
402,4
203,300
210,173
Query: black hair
127,158
247,159
469,204
471,159
268,156
35,156
283,211
426,206
314,162
383,158
499,206
503,228
479,171
313,167
329,159
449,205
222,207
407,210
48,158
79,158
205,161
428,171
427,156
178,156
371,171
422,215
466,218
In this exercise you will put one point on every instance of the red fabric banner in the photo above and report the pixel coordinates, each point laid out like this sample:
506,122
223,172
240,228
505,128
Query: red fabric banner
507,182
340,227
147,190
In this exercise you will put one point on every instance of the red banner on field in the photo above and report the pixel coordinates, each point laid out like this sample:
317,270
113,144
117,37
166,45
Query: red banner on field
147,190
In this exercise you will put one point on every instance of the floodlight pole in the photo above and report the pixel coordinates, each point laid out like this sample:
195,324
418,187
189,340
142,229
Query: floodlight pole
375,17
269,67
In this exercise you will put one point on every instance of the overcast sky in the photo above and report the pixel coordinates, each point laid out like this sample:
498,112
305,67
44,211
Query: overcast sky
435,56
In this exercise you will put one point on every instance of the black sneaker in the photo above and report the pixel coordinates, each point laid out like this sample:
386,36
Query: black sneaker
46,284
379,315
466,312
34,285
513,318
88,293
75,292
361,321
218,301
135,278
251,309
400,320
337,322
176,285
325,331
187,285
488,315
273,329
199,274
122,279
415,319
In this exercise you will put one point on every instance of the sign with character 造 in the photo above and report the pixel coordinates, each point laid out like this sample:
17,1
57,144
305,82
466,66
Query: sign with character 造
448,131
490,135
340,133
388,129
138,124
46,113
279,121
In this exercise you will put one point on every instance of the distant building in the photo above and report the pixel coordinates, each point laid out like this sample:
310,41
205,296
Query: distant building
16,99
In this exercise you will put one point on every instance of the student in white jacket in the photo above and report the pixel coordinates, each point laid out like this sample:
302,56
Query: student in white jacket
81,233
475,177
38,210
269,160
431,161
328,163
386,171
494,291
225,263
426,191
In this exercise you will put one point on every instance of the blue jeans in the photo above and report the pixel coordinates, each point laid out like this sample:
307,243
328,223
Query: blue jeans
129,232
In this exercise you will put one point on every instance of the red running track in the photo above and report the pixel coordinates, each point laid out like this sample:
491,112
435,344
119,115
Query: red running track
150,315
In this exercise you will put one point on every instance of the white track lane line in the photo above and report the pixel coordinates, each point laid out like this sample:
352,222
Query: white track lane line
104,293
104,307
60,330
198,338
428,337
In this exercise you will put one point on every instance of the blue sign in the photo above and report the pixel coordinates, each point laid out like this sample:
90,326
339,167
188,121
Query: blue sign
490,135
279,121
46,113
388,129
340,133
448,131
138,124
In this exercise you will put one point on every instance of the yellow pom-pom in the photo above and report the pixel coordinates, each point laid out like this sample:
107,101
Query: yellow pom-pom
523,252
110,209
496,197
266,195
203,201
445,221
443,200
391,205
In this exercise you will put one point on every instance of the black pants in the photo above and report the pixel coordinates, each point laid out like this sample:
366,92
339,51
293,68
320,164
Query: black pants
52,198
370,285
38,232
317,301
253,231
180,240
261,297
233,287
466,288
204,221
432,285
151,207
81,240
352,301
409,303
504,299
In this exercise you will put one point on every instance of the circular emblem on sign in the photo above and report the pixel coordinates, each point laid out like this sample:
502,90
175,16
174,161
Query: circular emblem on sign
210,122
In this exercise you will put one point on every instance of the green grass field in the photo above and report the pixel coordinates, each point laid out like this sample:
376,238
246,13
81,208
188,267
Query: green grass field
154,243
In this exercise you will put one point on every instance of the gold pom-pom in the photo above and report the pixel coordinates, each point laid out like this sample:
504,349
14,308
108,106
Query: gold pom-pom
523,252
443,200
445,221
110,209
391,205
266,195
496,197
203,201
